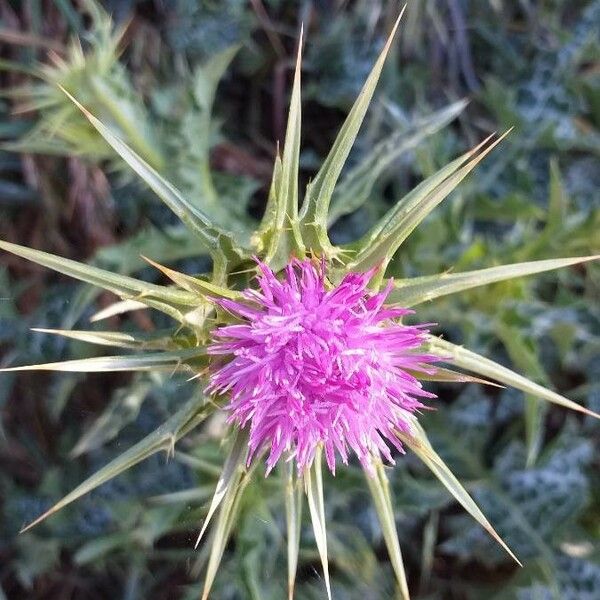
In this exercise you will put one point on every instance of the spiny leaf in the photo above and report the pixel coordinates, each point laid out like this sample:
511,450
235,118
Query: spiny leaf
219,243
230,472
206,79
293,514
156,340
354,189
471,361
130,120
136,362
163,438
320,190
411,210
168,300
313,479
414,291
380,491
420,445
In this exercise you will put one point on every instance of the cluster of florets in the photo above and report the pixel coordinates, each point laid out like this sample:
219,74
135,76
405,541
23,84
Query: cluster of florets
311,364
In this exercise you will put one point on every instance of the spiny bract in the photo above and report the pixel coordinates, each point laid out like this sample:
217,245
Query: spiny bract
356,385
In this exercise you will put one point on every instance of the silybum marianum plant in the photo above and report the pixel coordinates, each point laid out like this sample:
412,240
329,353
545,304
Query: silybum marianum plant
302,343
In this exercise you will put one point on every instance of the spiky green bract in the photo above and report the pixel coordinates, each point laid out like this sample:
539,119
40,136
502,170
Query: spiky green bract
284,233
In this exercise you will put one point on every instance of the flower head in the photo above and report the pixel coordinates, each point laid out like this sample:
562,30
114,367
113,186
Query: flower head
318,365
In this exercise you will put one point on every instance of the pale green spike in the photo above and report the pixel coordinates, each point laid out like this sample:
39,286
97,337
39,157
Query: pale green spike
471,361
117,308
293,513
172,301
411,292
221,245
399,209
260,239
288,187
380,491
230,472
355,187
127,119
106,364
450,376
418,442
163,438
284,236
157,340
410,211
195,285
225,521
313,480
315,208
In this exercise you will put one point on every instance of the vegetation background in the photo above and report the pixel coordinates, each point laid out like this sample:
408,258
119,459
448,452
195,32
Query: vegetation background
153,73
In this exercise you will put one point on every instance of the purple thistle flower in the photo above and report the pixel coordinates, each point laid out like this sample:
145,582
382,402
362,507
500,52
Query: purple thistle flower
312,364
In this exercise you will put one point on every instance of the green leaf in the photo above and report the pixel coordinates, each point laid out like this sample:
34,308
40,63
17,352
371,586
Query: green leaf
471,361
380,491
556,217
102,364
163,298
313,480
417,441
219,243
208,76
293,514
525,358
200,130
97,548
188,417
355,187
410,292
315,209
123,408
381,243
162,245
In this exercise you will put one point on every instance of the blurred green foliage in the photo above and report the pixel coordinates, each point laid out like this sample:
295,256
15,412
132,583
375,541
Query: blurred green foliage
531,470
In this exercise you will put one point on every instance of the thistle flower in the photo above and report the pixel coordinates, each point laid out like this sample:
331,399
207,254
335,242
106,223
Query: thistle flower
313,366
313,358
